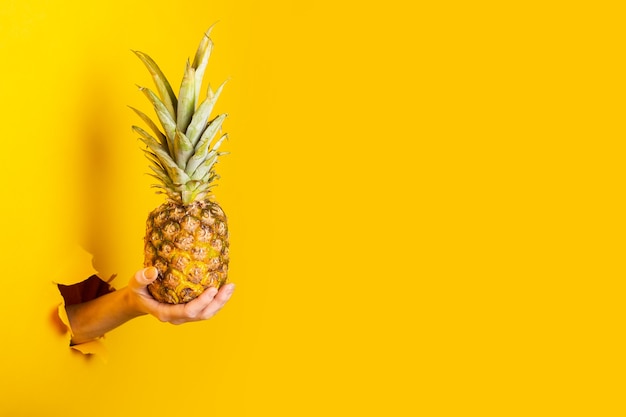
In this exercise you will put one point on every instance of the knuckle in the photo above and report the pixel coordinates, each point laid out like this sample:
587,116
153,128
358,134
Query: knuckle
191,314
208,314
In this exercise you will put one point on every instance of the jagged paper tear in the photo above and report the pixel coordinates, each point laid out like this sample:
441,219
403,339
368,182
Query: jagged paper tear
78,268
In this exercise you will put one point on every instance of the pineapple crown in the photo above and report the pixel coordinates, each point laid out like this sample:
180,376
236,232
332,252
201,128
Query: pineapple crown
183,155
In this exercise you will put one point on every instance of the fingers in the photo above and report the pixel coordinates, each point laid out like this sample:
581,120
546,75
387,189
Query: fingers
217,302
194,308
201,308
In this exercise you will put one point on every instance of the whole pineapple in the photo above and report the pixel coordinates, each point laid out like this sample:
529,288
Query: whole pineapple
187,236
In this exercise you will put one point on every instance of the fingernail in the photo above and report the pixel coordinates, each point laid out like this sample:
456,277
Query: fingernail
150,273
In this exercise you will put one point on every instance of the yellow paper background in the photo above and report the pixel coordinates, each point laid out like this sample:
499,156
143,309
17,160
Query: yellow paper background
425,202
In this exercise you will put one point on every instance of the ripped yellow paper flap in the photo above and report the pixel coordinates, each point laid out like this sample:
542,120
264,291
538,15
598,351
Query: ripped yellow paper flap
94,347
77,266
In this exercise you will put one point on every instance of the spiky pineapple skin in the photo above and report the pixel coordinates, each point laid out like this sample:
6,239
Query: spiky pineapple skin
188,244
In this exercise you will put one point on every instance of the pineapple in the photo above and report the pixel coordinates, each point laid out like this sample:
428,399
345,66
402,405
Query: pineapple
187,236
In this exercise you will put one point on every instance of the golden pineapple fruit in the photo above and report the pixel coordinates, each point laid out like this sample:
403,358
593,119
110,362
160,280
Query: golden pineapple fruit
187,236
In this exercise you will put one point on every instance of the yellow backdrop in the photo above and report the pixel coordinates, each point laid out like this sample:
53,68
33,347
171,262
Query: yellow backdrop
425,205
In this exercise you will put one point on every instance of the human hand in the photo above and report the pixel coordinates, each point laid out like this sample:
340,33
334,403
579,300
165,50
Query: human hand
203,307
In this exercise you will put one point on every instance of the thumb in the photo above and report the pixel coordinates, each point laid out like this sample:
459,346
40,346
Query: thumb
145,276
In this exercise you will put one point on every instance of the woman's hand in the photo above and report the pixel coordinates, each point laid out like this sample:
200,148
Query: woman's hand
92,319
203,307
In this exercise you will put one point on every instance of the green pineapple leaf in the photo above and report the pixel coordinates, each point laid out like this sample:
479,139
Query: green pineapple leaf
200,61
200,118
166,120
152,157
204,167
163,86
186,99
177,175
182,149
160,136
150,138
161,176
202,148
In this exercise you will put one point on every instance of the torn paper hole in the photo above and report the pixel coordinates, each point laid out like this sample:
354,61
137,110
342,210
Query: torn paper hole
78,266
